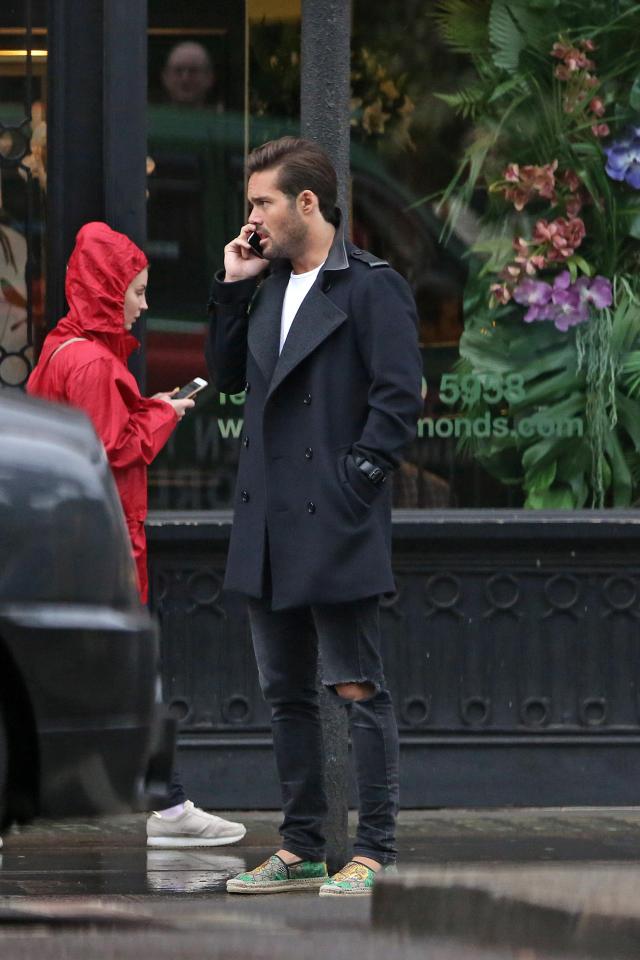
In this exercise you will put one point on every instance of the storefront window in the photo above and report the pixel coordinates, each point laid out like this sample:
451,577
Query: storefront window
489,143
516,124
23,65
222,78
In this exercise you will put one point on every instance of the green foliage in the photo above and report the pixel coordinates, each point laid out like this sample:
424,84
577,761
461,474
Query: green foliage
585,381
463,25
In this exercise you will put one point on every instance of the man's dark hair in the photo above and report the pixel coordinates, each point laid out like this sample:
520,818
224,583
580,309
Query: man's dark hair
302,165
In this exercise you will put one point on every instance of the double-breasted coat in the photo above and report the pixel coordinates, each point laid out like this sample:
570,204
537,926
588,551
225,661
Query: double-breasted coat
347,384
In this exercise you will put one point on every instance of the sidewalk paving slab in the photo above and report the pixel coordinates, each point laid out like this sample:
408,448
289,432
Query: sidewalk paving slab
591,909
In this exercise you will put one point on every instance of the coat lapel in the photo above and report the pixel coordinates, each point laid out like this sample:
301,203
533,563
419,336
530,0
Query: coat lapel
316,319
264,322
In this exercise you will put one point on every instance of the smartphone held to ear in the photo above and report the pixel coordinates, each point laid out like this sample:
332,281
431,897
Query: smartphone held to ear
190,389
254,242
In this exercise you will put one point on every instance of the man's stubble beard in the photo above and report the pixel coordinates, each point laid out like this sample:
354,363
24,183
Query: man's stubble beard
294,244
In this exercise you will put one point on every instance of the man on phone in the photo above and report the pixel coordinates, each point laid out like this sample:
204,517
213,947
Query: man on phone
326,349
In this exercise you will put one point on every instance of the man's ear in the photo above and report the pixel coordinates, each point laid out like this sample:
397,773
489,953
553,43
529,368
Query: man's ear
307,201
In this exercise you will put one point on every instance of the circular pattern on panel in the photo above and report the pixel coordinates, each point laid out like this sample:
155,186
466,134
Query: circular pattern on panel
593,711
475,711
620,592
415,710
443,592
535,711
392,602
236,709
14,143
204,589
14,368
180,709
562,592
503,592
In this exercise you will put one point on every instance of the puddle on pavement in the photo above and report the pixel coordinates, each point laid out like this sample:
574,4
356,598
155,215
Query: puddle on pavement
116,871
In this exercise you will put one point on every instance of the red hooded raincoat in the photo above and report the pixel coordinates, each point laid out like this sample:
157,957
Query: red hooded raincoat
92,374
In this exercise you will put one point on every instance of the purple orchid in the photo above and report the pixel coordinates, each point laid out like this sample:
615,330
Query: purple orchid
597,292
535,294
569,309
623,158
566,304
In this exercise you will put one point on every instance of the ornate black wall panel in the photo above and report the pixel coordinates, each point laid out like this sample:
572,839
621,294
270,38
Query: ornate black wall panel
512,651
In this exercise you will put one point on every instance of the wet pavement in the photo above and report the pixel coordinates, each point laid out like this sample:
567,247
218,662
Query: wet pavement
91,888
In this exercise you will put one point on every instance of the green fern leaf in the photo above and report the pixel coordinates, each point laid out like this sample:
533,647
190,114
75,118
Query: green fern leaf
466,102
506,37
463,25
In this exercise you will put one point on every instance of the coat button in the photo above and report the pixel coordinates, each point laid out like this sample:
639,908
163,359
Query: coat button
247,387
245,442
307,399
244,496
308,453
311,507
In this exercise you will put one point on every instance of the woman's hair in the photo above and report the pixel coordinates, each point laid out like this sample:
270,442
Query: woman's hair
301,165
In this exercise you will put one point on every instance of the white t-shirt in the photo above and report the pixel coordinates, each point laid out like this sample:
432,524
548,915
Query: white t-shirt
297,289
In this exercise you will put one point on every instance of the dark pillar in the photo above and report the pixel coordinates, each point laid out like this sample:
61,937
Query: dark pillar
74,129
97,128
325,116
125,131
326,83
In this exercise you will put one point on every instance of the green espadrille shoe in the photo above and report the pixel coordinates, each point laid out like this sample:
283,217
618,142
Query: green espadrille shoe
354,880
276,876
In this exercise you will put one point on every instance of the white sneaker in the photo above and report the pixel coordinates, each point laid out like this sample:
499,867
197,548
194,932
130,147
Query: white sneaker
192,828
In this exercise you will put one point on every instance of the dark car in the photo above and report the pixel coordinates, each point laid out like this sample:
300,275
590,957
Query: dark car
80,724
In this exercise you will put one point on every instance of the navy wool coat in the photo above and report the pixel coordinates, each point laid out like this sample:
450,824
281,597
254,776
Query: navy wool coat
347,383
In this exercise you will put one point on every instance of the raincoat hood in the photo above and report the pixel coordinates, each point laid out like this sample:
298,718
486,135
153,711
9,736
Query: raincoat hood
101,267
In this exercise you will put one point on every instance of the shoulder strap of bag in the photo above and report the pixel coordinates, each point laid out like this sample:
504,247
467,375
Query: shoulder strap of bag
65,344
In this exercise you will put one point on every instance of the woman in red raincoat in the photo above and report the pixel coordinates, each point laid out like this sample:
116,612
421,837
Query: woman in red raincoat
83,363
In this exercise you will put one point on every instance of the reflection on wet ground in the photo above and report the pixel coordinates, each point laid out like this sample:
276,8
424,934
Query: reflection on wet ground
116,871
73,890
109,856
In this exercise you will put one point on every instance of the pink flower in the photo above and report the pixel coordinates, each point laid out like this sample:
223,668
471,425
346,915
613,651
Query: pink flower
500,292
570,179
574,206
562,73
600,130
562,237
528,182
597,106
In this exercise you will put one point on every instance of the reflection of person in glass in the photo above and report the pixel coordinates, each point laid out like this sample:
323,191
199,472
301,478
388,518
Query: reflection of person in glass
83,364
329,352
188,75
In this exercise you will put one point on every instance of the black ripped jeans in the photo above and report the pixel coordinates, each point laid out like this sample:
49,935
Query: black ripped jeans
286,645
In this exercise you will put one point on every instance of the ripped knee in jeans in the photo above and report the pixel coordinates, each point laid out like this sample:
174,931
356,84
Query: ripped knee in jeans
355,690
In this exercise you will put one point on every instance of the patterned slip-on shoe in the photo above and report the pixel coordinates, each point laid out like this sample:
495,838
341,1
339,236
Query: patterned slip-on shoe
192,828
276,876
354,880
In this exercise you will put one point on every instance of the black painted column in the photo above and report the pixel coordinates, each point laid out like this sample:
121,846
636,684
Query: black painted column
74,132
125,131
325,117
97,128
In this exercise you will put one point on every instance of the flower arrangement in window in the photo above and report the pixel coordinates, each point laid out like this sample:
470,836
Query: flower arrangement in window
552,170
379,101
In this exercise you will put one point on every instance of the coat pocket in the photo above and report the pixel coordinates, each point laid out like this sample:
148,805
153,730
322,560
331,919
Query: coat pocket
358,505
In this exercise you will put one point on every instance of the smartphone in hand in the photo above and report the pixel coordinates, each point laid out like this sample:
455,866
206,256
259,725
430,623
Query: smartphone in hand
190,389
254,242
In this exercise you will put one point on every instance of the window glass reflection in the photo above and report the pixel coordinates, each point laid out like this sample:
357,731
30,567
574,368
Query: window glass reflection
23,182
